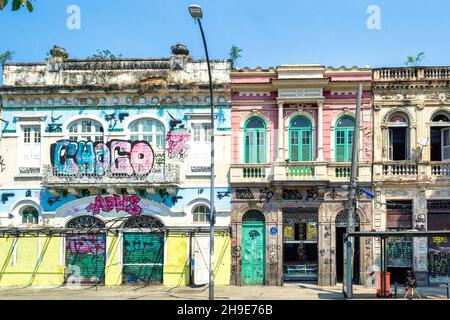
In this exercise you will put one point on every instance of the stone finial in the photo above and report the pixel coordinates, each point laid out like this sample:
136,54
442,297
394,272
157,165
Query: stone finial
59,52
180,49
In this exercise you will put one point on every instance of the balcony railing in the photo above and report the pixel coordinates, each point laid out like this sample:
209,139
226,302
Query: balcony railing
400,169
412,73
441,169
141,175
300,169
249,172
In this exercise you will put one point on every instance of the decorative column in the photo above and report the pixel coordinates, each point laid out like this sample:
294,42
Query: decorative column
320,131
280,131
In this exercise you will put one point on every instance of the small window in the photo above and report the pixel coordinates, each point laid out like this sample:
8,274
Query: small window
201,132
201,214
30,215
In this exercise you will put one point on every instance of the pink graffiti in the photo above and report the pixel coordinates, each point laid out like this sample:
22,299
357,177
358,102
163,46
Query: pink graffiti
125,203
176,143
86,244
74,209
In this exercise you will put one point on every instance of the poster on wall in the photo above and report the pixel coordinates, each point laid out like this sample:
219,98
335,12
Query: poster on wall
311,231
289,232
399,252
439,260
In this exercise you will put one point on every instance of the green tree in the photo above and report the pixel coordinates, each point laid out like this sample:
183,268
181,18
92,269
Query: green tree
235,54
6,56
104,55
415,61
17,5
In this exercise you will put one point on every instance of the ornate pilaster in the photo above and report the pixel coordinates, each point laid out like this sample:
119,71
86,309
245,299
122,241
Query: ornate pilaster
280,131
319,131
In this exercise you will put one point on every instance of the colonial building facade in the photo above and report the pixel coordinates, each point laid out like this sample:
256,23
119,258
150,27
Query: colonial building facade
292,137
411,167
120,147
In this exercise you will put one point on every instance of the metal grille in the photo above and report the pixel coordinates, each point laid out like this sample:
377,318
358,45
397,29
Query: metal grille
253,215
300,214
342,216
85,222
143,222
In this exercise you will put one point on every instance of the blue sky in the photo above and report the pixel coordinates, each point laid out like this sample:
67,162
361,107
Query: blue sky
329,32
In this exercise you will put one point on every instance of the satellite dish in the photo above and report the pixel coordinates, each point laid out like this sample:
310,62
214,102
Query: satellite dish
423,141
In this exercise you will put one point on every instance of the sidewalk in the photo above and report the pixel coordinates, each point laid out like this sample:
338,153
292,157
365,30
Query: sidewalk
290,291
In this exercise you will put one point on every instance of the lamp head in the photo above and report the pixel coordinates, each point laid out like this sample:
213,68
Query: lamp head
196,11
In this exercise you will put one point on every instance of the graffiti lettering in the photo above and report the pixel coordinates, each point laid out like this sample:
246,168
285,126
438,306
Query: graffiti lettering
292,195
244,193
86,244
120,203
6,196
177,144
121,157
221,195
265,194
2,164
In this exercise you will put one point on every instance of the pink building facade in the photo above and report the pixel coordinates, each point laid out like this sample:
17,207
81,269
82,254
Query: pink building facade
292,136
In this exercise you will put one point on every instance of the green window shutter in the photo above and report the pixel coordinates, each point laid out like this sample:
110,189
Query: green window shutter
294,146
344,144
349,144
261,147
306,146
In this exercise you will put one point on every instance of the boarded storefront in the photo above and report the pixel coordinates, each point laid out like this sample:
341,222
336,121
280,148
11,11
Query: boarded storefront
85,253
439,247
143,250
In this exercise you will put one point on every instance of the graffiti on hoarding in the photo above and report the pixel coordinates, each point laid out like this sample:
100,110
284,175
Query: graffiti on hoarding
125,203
117,156
85,244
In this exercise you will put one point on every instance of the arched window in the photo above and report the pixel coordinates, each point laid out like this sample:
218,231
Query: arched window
149,130
398,137
345,128
30,215
440,138
255,141
300,139
86,130
201,213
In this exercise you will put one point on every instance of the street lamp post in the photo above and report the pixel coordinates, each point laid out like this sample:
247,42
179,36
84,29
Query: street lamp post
197,14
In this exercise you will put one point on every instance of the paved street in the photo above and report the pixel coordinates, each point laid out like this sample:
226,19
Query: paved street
290,291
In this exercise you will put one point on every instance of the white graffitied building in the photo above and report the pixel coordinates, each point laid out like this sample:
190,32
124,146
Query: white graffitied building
113,144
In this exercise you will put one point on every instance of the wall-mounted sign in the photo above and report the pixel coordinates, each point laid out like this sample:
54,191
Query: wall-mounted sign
273,231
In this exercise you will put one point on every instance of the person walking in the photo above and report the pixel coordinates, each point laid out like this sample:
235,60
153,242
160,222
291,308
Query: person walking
410,284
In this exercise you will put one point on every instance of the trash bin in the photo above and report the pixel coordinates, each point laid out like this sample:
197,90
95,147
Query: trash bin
387,290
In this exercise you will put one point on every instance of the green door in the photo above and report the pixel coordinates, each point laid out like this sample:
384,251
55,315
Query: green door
253,252
143,256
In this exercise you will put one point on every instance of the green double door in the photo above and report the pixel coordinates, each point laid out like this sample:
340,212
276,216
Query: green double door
253,253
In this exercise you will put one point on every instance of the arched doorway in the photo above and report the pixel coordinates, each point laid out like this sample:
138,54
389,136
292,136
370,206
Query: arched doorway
143,250
85,252
253,248
341,229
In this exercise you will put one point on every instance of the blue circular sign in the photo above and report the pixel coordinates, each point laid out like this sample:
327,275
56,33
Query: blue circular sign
273,231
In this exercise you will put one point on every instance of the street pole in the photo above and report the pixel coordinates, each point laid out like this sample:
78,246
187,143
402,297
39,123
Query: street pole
352,194
196,13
